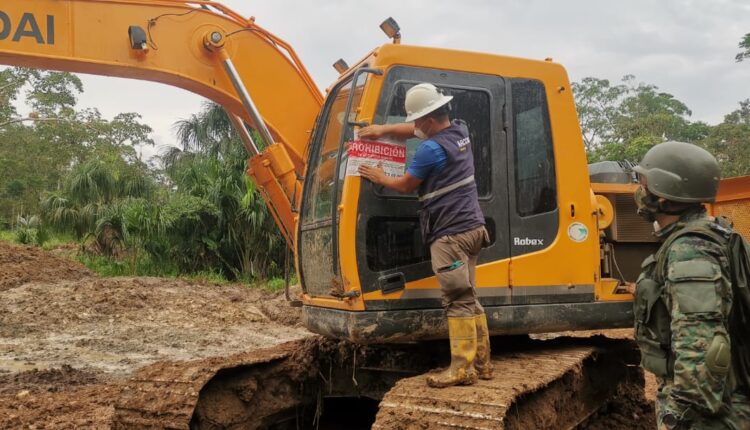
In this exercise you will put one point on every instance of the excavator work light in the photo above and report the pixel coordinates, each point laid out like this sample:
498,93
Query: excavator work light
138,38
391,29
341,66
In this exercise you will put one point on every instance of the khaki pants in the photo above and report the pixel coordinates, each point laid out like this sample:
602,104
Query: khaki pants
454,261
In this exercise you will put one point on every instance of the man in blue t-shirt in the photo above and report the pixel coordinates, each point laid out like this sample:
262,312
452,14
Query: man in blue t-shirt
452,223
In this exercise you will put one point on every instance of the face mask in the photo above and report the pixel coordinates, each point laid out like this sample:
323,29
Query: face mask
422,134
647,203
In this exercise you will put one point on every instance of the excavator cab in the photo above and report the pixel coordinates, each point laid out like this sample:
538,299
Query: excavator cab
363,265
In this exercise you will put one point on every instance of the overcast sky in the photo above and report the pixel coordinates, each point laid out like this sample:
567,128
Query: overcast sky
685,47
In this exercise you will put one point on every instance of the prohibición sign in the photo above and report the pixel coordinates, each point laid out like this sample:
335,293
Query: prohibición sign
391,155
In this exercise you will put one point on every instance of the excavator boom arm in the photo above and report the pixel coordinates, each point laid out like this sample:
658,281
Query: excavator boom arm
170,41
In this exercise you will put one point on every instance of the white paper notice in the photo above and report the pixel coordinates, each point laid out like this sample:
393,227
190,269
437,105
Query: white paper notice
390,154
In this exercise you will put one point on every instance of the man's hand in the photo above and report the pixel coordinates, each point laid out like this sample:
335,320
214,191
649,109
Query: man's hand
374,131
400,131
627,288
374,174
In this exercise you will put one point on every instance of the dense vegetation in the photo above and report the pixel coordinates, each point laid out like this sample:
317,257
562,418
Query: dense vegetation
69,171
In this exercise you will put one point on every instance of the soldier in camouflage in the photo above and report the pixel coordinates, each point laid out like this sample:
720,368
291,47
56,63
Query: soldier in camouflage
684,295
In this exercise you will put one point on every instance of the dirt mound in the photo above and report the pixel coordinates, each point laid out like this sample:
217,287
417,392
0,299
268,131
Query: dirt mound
69,339
21,264
76,407
50,380
278,309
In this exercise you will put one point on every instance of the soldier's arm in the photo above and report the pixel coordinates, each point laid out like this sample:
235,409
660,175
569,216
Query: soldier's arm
699,298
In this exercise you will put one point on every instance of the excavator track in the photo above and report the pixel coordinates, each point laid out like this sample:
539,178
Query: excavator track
554,384
555,387
165,395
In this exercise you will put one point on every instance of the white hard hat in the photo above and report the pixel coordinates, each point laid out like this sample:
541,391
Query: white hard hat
422,99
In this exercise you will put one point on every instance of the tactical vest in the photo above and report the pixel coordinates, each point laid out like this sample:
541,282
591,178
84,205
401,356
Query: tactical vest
652,317
449,198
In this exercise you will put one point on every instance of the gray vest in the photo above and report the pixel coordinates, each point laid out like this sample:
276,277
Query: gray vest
450,203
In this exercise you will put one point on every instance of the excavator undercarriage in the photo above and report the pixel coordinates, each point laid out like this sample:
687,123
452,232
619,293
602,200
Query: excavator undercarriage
553,384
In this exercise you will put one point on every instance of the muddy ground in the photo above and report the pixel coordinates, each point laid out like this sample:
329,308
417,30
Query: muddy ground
69,339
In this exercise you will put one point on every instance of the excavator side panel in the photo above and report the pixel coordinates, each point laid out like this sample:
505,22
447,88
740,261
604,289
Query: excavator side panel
733,202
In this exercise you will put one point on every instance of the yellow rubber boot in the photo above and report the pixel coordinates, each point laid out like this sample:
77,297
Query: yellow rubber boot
482,362
463,339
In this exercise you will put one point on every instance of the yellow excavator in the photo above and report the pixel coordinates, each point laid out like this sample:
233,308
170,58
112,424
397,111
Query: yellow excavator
564,235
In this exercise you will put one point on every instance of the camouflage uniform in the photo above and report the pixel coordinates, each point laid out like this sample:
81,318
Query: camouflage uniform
697,297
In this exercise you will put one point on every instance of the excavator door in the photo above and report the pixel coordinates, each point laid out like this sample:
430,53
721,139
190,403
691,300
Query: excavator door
324,182
391,252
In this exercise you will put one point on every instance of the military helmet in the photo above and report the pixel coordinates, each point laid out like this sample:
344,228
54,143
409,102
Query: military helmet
680,172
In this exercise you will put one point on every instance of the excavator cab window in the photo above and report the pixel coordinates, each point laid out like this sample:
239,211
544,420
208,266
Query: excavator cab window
469,105
322,192
536,191
397,241
534,214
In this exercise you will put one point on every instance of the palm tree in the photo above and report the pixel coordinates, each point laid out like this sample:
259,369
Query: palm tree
93,196
209,167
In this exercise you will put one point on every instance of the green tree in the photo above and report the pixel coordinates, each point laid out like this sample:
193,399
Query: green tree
92,199
623,121
730,141
30,231
37,151
745,46
598,105
218,215
53,94
11,82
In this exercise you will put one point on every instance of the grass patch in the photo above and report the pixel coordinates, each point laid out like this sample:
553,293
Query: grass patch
213,277
144,266
57,240
53,241
7,236
108,266
273,285
104,266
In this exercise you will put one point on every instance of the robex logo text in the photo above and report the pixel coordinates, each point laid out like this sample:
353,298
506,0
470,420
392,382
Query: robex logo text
518,241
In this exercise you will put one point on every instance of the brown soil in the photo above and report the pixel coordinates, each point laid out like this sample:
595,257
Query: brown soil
21,264
629,409
277,309
68,339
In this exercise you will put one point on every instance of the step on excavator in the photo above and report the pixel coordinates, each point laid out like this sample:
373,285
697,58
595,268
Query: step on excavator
564,235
